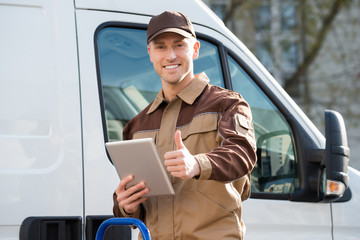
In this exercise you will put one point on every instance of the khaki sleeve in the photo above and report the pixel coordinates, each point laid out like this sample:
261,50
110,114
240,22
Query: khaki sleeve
205,166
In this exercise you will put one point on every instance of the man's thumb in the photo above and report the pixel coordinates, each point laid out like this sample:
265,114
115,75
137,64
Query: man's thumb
178,140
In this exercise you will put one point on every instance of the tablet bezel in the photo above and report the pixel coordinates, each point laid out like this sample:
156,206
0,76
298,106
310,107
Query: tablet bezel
140,158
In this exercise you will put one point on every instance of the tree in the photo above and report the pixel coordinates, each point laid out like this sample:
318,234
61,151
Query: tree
317,37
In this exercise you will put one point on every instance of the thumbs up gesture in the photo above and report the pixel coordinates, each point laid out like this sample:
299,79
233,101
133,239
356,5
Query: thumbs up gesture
180,163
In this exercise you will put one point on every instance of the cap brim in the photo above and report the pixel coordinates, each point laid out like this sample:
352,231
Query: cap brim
173,30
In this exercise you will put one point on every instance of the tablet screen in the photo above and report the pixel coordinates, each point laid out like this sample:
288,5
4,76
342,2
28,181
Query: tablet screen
140,158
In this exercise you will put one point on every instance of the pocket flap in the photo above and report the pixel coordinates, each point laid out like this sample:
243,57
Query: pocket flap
204,122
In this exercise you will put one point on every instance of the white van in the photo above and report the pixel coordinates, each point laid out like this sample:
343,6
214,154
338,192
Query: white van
73,72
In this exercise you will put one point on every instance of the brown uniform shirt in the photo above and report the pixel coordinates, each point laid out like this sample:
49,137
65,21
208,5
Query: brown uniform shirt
216,127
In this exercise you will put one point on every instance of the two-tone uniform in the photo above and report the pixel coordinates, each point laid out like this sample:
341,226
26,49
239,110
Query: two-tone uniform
216,127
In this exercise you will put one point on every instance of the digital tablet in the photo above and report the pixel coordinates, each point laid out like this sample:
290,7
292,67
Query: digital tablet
140,158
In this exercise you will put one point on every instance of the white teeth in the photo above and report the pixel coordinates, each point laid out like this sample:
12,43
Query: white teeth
172,66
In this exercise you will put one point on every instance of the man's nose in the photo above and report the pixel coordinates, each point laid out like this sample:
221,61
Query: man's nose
171,54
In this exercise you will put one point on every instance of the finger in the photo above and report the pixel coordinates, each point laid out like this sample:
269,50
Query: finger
125,194
181,174
131,204
140,194
133,198
132,207
135,204
176,168
174,162
136,188
178,140
122,186
173,155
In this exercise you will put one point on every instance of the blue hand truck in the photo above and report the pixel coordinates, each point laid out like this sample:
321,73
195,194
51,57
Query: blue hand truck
123,221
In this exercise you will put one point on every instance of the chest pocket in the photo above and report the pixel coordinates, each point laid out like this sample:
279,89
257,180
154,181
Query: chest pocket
201,135
147,134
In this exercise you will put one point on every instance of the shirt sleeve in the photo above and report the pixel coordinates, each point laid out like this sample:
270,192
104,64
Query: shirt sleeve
236,156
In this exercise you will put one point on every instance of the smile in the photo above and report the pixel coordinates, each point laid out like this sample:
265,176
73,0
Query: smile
172,66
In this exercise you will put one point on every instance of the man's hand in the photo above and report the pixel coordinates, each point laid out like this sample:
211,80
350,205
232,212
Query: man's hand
130,199
181,163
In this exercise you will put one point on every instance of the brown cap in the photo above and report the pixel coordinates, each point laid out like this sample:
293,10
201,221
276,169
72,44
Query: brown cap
167,21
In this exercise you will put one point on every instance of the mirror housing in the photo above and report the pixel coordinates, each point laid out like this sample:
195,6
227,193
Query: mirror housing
334,171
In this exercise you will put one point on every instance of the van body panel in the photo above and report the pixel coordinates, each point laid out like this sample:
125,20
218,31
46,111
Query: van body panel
346,214
53,159
150,8
279,219
40,127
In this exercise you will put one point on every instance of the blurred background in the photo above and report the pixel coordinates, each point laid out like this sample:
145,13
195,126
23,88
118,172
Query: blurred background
312,48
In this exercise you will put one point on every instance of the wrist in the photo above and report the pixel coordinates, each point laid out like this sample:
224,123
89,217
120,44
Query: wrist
124,213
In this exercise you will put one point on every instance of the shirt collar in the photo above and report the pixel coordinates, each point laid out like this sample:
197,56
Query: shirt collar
188,94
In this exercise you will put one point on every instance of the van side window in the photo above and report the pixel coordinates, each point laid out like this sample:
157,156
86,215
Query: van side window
276,168
209,62
127,78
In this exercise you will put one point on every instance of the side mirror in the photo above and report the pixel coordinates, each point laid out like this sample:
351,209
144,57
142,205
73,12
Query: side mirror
334,175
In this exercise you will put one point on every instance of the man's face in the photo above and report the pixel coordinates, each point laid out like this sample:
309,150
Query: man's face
172,56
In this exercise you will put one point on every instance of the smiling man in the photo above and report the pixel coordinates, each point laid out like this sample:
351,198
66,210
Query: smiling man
172,56
204,134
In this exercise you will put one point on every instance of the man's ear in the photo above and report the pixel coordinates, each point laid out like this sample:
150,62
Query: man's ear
196,50
149,51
